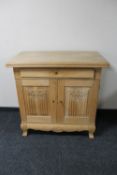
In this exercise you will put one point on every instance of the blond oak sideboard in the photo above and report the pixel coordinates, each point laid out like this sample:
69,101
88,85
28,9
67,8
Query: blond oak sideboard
58,90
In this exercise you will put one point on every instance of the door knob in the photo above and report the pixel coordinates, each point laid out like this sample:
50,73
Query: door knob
61,101
53,101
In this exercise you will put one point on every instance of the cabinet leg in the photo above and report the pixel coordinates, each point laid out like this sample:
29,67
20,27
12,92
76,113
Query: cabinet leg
24,129
91,135
24,133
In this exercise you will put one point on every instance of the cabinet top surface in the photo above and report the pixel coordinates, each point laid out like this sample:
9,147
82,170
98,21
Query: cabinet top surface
58,59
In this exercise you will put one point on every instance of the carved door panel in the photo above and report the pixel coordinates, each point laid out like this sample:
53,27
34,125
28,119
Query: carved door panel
40,100
74,101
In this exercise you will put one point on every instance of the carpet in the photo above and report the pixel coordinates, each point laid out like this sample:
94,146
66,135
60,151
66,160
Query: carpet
48,153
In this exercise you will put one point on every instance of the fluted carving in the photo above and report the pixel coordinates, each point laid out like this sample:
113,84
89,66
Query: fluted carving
38,93
36,99
76,101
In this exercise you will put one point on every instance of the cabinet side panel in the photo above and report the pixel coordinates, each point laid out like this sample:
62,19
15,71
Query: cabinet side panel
93,98
20,99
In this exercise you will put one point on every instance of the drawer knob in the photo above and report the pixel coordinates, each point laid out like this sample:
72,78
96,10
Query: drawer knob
53,101
61,101
56,73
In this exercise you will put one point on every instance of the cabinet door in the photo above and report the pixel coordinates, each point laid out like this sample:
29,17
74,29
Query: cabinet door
40,100
77,101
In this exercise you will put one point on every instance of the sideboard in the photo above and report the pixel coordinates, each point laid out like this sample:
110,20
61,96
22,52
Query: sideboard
58,90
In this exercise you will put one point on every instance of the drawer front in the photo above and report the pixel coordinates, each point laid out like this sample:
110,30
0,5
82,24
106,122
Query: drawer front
57,73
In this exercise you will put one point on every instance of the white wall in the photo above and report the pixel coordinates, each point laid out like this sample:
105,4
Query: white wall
58,25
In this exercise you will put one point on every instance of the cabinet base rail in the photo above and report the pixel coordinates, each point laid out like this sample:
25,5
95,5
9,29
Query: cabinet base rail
58,128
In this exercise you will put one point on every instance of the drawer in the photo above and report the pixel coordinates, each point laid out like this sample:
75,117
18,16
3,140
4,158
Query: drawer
57,73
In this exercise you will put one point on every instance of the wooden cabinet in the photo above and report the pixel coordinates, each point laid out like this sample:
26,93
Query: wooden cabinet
58,91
